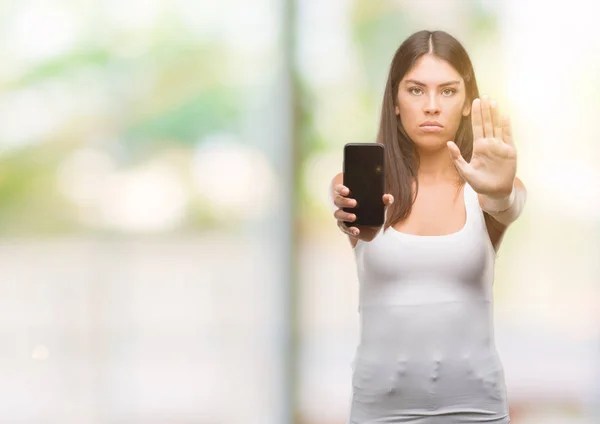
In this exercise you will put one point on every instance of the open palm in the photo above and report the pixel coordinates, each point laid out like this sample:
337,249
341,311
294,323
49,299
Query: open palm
493,165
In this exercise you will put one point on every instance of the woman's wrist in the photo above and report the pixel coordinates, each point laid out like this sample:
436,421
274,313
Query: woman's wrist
498,204
507,209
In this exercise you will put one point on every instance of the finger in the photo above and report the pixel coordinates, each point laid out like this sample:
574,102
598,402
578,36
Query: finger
486,116
388,199
351,231
462,166
496,121
344,202
476,122
507,131
342,215
341,190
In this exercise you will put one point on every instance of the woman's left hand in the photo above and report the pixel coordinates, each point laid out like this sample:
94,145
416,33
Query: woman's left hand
493,166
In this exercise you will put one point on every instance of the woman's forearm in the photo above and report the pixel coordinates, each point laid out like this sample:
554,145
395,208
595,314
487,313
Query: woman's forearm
505,209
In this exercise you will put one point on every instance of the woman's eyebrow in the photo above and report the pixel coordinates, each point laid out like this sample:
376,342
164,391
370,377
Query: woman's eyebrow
412,81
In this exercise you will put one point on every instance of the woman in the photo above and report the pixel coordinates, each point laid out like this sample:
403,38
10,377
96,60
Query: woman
427,353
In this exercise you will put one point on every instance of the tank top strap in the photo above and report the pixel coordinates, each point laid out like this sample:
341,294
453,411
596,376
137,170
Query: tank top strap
473,208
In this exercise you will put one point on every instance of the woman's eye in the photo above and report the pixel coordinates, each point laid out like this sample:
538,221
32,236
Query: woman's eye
416,91
448,92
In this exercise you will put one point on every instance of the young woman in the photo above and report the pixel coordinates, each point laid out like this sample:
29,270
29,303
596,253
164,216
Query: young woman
427,353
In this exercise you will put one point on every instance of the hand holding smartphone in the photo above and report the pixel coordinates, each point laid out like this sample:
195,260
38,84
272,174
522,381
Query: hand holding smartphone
364,176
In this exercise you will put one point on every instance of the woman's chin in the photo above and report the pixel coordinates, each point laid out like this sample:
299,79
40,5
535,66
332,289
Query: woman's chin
431,144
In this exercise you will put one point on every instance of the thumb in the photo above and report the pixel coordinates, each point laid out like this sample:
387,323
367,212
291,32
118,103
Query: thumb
388,199
460,163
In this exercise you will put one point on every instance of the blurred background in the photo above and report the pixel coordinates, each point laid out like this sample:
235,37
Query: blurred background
167,250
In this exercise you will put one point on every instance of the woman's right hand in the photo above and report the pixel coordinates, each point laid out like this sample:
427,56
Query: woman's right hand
341,200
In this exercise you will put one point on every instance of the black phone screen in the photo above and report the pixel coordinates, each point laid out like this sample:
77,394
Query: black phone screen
364,175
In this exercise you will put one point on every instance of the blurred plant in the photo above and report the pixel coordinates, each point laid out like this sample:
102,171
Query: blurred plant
134,106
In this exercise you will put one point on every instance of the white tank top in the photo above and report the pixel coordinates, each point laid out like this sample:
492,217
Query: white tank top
426,353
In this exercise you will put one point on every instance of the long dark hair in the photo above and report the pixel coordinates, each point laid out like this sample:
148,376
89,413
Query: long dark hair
402,159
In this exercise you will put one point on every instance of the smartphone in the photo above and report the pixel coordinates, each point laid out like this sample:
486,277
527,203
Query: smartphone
364,175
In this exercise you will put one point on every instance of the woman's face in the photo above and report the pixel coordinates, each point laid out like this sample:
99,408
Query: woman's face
431,102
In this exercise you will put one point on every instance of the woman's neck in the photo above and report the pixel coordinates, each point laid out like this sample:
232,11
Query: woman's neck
436,167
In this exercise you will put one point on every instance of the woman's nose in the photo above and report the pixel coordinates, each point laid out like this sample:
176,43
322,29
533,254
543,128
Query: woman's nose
432,106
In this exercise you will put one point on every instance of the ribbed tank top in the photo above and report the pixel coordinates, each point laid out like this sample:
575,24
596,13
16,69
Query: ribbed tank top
426,353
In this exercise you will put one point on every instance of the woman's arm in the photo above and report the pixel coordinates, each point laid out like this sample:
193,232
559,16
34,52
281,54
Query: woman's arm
500,213
492,169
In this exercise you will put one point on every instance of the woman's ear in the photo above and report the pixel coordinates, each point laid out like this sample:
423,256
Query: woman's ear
396,110
466,108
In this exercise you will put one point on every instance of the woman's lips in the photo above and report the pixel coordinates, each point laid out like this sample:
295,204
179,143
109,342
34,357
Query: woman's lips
431,127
